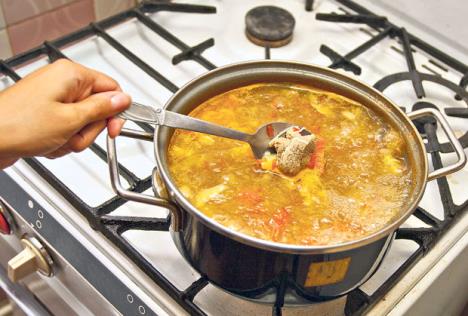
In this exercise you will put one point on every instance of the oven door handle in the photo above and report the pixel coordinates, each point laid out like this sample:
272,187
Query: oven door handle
176,216
458,148
22,297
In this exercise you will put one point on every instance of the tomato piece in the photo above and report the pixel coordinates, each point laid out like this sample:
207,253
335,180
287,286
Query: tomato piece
270,131
281,217
317,158
251,198
312,160
319,144
279,222
258,164
315,130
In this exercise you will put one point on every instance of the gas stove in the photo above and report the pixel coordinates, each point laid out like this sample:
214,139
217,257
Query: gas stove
103,255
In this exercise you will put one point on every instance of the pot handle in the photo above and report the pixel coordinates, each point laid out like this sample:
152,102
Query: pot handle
452,139
176,215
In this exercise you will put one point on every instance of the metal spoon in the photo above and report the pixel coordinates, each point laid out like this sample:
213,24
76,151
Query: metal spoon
259,142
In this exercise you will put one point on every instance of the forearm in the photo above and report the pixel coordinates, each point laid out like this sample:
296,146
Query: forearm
6,158
10,127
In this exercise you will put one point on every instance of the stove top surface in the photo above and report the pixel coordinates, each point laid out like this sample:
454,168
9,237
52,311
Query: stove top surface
220,35
442,23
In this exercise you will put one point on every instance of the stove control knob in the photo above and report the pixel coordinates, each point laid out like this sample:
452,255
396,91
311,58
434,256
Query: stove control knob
33,258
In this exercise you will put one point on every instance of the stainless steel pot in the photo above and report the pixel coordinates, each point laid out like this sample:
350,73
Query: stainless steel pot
259,269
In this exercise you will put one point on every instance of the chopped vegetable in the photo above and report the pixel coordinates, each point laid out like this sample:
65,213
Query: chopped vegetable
206,140
348,115
311,187
279,222
206,195
392,164
317,158
268,162
251,197
242,150
270,131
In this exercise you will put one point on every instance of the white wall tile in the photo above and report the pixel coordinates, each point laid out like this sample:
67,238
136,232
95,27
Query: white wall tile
105,8
19,10
2,19
5,49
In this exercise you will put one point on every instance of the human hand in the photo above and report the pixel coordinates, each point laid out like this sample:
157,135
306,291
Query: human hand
58,109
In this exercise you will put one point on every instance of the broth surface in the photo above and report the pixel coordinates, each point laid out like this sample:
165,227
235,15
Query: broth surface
356,182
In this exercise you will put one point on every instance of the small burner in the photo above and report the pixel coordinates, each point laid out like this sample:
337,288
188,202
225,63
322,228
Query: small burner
269,26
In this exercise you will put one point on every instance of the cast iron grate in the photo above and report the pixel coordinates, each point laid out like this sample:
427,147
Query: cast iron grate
114,226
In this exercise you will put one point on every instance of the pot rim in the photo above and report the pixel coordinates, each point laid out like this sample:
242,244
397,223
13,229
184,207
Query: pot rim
176,195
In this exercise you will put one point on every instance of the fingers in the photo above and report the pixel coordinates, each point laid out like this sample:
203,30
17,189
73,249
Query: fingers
62,151
100,106
98,81
114,126
78,82
6,162
102,82
84,138
80,141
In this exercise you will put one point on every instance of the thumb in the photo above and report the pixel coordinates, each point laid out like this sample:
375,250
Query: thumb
100,106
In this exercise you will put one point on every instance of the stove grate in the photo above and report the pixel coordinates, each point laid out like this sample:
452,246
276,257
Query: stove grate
415,41
374,20
309,5
345,62
114,226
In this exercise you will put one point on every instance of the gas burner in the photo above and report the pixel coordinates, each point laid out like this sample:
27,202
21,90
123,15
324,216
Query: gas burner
460,93
269,26
387,81
424,105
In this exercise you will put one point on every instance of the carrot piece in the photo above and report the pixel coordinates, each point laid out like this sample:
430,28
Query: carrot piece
258,163
319,144
251,198
281,217
312,161
315,130
279,222
317,158
270,131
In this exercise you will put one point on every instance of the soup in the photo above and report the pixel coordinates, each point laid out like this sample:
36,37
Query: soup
357,180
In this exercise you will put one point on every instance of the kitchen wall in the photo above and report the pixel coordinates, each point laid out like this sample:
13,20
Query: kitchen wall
27,23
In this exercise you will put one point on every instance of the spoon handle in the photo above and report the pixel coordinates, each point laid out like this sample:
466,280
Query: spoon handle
157,116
